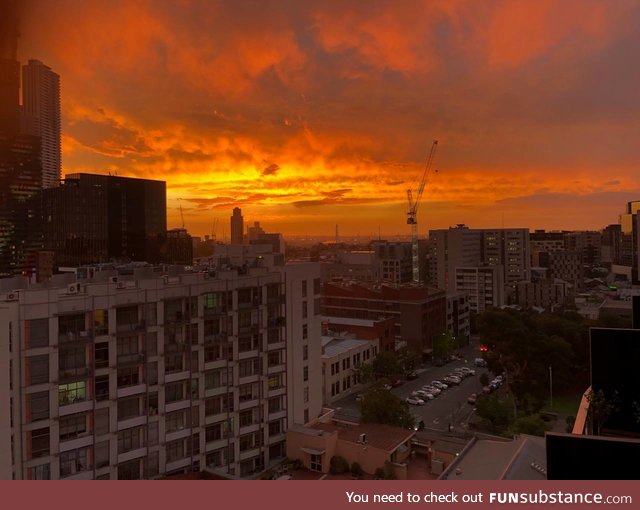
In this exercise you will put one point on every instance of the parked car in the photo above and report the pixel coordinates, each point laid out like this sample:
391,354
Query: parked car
439,384
359,397
415,401
487,389
479,362
452,380
468,370
472,399
423,394
412,375
432,389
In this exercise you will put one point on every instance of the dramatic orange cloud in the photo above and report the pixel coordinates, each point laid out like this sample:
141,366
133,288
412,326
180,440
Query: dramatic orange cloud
308,114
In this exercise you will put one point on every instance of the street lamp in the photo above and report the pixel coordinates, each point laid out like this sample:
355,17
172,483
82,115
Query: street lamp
550,386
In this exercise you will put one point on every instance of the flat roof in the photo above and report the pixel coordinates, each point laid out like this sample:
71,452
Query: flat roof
335,346
383,437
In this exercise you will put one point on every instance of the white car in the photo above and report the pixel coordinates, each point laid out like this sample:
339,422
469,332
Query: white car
423,394
414,401
439,384
468,370
432,389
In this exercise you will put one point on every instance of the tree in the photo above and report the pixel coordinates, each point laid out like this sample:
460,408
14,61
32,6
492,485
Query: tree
497,414
484,379
443,344
601,407
533,425
338,465
407,358
364,373
381,406
386,365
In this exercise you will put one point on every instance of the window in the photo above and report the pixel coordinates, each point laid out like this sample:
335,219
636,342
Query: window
275,381
275,404
71,393
248,417
273,358
152,343
247,392
174,392
306,394
41,472
102,355
129,470
248,343
102,421
39,405
128,376
218,378
316,462
305,374
316,306
305,352
72,426
128,408
72,361
175,421
305,311
127,347
249,441
38,369
152,373
249,367
38,333
221,457
129,439
102,388
304,288
39,443
73,462
102,454
220,430
275,428
153,433
305,332
100,322
316,285
193,333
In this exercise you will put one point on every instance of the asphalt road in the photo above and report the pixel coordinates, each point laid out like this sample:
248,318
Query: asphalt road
448,408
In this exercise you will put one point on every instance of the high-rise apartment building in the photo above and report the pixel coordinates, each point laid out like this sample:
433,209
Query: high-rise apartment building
41,116
237,226
392,262
140,374
610,247
630,242
483,285
95,218
461,246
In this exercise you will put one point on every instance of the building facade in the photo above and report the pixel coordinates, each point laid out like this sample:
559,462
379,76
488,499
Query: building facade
41,116
237,226
484,286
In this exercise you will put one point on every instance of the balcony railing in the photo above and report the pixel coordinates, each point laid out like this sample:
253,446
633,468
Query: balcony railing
70,374
130,327
75,336
130,359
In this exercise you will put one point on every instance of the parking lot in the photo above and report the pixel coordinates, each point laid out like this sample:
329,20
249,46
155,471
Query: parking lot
449,409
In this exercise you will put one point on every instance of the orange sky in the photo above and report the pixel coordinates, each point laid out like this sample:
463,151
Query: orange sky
308,114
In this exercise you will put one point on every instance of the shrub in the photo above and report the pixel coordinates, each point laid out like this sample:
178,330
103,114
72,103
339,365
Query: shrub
339,465
379,474
356,470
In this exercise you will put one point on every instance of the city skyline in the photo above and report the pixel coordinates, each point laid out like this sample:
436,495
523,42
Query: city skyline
305,117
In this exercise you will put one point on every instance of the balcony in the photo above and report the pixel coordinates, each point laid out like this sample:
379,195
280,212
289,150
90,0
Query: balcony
250,329
276,322
73,374
130,359
216,310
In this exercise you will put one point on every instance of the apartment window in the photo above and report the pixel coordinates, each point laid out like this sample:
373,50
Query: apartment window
305,352
249,367
128,408
306,415
305,311
304,288
221,457
72,392
101,417
127,346
153,433
247,392
275,428
275,404
306,394
316,306
128,376
305,331
220,430
102,355
193,333
248,417
174,392
305,373
129,470
275,381
38,333
249,441
39,443
218,378
72,426
346,363
173,363
73,462
41,472
38,369
152,373
273,358
38,405
316,463
71,360
175,421
129,439
316,285
102,388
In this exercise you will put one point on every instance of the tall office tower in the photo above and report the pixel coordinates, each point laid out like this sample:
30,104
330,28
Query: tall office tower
94,218
610,249
237,226
41,116
20,203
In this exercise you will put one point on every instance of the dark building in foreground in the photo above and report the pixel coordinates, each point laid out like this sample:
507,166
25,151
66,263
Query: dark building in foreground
96,218
20,203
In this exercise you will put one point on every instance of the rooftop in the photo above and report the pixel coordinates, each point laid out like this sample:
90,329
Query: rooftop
332,346
383,437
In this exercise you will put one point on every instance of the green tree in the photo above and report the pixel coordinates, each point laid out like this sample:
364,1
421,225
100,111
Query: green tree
601,407
443,344
533,425
386,365
496,414
382,406
407,359
484,379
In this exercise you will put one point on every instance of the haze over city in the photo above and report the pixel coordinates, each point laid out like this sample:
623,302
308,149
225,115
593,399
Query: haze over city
316,113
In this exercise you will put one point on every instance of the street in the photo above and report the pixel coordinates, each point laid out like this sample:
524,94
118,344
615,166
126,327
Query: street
448,408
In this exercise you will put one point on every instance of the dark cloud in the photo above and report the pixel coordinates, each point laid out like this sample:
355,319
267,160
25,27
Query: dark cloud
272,169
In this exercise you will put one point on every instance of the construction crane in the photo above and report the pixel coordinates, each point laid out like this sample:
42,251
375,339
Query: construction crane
412,213
181,214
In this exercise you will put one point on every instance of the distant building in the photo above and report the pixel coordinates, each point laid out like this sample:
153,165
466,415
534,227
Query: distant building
96,218
237,226
629,260
546,294
419,312
542,243
587,243
20,203
458,318
379,330
568,266
483,285
393,262
349,265
610,248
178,247
41,116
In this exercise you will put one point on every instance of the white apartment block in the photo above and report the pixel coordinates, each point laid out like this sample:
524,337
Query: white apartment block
149,375
341,357
483,285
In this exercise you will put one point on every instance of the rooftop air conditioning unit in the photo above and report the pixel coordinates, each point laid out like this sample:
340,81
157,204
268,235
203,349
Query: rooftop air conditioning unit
73,288
120,285
113,279
12,296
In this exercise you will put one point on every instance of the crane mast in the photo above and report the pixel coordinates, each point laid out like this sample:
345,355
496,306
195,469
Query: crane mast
412,213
